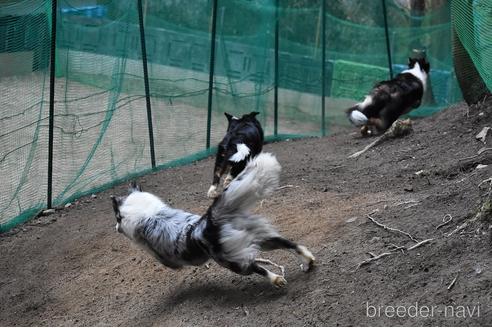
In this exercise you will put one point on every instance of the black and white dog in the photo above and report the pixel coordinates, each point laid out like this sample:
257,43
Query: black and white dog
243,140
388,100
228,233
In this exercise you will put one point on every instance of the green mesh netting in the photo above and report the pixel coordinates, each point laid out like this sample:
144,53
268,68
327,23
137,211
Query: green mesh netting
101,131
24,58
472,47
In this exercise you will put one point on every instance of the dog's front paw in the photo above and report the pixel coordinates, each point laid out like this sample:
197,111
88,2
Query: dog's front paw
212,192
307,258
278,281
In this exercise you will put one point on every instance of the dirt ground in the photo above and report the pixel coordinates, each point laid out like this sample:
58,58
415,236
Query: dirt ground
73,268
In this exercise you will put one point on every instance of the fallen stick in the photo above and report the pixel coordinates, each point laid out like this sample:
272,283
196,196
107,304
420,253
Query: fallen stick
392,229
483,211
407,202
482,157
489,180
398,248
451,285
420,243
480,152
462,226
376,142
394,251
397,129
444,221
286,186
374,258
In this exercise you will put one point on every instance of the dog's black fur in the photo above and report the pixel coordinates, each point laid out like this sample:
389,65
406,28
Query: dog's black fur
245,131
388,100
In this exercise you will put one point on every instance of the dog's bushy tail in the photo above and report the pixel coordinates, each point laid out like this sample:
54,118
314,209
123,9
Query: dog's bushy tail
258,180
355,116
241,232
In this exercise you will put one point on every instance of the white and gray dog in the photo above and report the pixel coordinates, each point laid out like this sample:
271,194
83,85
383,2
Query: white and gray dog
228,233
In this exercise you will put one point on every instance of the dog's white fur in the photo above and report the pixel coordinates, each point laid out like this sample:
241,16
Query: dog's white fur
242,152
136,206
258,180
419,74
358,118
367,101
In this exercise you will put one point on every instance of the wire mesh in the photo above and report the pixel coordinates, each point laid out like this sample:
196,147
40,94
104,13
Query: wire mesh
101,131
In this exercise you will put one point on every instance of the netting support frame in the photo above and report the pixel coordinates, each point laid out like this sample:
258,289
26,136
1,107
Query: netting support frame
386,34
276,75
146,82
323,66
211,71
51,118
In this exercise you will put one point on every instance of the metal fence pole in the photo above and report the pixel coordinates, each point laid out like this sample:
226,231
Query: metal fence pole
276,77
388,46
146,82
323,66
52,103
211,71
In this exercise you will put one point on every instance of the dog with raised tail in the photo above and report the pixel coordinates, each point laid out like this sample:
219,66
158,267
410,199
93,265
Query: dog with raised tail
391,99
243,140
228,232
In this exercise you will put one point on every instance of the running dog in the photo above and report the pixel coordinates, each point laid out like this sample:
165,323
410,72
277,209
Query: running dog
228,232
388,100
243,140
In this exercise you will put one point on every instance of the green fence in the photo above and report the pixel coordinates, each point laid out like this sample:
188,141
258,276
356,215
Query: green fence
142,85
472,47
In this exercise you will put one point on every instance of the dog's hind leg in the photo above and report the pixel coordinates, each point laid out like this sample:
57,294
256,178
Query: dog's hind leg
275,279
381,125
265,261
372,104
365,131
253,267
306,257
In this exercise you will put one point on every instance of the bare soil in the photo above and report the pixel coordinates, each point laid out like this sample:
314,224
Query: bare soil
73,268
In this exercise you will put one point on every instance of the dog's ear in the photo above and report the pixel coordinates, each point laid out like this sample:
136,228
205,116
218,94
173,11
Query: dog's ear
134,187
425,65
253,114
411,62
229,116
116,203
116,207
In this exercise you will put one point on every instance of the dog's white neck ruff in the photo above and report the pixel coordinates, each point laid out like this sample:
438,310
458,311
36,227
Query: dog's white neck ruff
419,74
242,152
